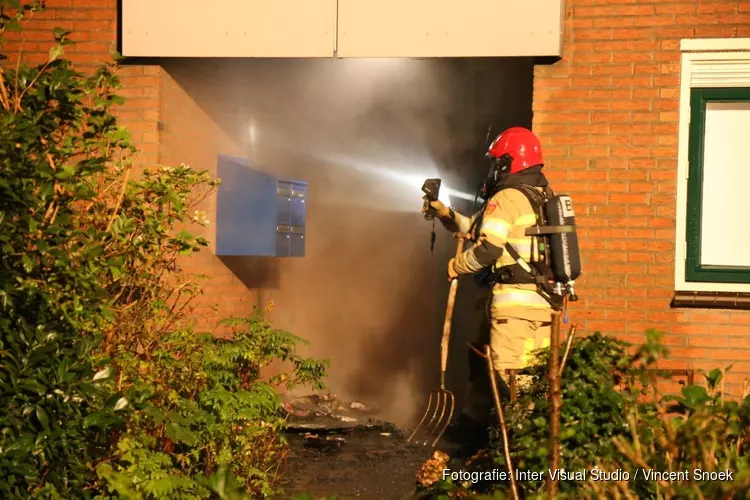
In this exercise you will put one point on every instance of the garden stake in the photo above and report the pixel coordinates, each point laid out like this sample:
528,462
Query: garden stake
501,419
555,399
445,402
571,334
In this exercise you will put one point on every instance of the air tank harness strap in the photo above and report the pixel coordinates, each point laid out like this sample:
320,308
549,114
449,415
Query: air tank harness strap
533,274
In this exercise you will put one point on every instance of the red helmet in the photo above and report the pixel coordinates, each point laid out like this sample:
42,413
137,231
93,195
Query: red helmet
521,145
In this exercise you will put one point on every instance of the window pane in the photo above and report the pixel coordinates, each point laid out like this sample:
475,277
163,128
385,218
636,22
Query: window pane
725,227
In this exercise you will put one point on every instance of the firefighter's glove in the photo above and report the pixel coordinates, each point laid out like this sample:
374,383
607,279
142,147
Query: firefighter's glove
437,208
452,274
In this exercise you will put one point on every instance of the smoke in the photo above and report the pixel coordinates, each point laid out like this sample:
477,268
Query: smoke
364,134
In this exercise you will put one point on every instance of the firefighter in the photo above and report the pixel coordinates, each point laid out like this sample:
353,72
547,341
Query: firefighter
519,317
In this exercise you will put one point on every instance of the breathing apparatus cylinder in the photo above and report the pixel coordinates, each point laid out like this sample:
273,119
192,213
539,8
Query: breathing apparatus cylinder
565,258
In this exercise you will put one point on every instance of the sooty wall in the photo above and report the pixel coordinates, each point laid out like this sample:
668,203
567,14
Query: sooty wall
364,134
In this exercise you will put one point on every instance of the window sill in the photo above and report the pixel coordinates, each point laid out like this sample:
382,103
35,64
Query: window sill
711,300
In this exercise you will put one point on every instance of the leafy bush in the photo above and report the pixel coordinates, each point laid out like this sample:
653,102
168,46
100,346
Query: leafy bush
609,423
53,307
105,386
200,405
696,431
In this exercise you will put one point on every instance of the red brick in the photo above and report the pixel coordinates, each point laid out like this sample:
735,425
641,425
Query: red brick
739,342
688,352
632,57
642,210
627,315
594,34
675,9
627,269
712,341
633,10
611,93
590,152
718,7
606,326
740,318
730,354
629,199
635,280
593,81
634,105
653,21
689,329
611,22
614,69
729,330
635,81
607,233
570,94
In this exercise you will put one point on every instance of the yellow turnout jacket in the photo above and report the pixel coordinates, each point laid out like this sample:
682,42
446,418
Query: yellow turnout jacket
507,216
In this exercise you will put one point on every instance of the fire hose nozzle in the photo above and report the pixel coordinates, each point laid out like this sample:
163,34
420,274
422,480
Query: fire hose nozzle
431,189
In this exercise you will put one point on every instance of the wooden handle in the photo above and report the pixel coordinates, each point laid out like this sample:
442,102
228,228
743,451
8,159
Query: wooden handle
449,319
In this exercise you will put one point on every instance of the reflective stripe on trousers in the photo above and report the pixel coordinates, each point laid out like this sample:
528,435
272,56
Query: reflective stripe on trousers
517,298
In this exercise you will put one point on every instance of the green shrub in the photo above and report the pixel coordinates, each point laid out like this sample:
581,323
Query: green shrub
697,433
105,386
55,404
200,406
610,422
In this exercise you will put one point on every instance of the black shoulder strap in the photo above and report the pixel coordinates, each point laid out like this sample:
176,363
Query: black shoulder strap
537,200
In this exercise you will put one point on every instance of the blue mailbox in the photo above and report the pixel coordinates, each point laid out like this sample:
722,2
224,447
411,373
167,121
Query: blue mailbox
258,214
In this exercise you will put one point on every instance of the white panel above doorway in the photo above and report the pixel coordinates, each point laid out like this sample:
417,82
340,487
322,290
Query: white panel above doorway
341,28
228,28
449,28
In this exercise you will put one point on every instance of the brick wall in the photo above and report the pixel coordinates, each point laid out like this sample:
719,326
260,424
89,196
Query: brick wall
94,26
608,117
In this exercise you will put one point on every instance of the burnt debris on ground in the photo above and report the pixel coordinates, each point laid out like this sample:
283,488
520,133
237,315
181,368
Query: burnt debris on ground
340,448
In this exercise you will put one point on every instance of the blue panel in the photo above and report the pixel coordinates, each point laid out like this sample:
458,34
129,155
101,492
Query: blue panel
257,214
283,241
283,210
297,245
298,211
246,210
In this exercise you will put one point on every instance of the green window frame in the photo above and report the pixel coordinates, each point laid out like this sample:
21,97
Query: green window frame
694,270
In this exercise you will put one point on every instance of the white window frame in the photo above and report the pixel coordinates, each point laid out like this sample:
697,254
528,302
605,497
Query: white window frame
705,62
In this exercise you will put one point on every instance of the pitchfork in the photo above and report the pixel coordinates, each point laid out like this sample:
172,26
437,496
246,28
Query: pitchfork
444,400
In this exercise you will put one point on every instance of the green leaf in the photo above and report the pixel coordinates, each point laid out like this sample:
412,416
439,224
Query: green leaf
60,33
155,413
28,264
101,420
66,172
33,386
180,434
94,251
56,52
713,378
41,415
694,395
